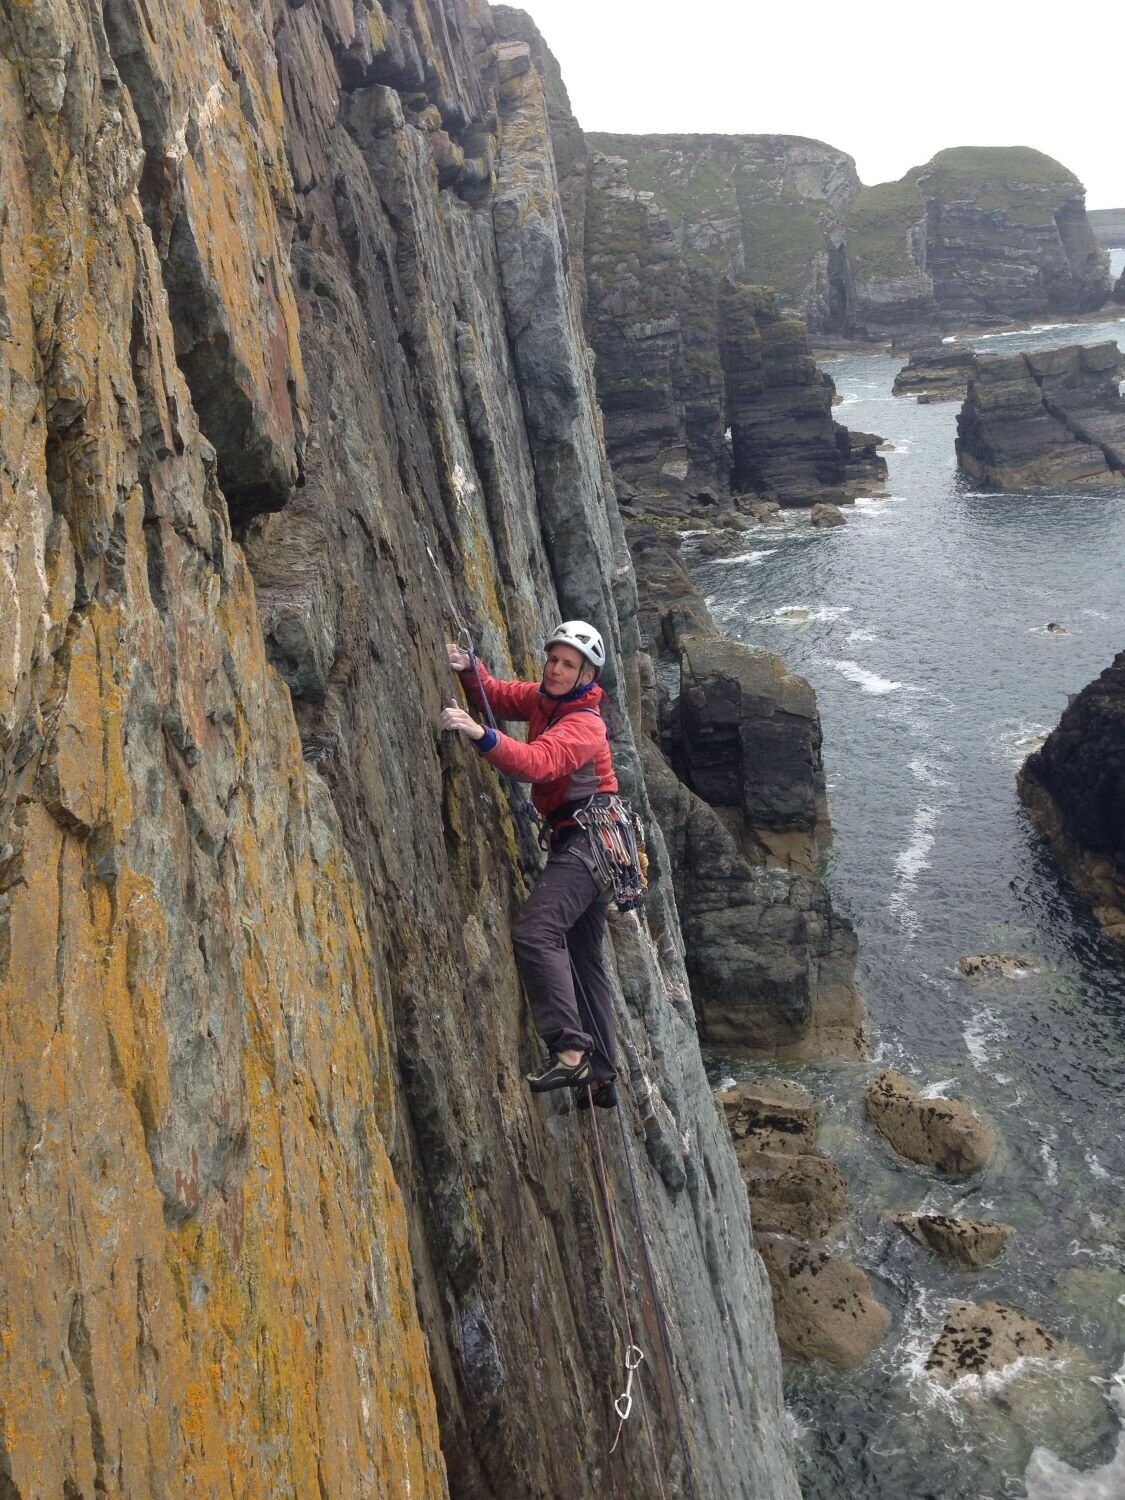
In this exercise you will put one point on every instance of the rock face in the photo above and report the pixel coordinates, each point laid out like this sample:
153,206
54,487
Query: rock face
936,372
968,1242
1074,789
1049,418
259,1233
750,741
941,1133
772,966
980,1338
979,234
785,445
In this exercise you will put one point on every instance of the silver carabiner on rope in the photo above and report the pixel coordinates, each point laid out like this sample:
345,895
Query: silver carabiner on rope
623,1404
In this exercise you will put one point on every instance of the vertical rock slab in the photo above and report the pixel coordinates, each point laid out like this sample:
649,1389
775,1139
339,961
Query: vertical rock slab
217,199
1075,791
779,403
205,1273
431,498
751,743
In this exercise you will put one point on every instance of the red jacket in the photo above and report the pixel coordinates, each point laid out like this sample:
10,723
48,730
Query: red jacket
567,756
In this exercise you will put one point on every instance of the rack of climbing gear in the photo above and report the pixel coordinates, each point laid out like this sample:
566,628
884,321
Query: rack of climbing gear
616,838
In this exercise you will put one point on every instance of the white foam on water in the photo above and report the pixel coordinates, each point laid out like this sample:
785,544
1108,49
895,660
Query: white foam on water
911,861
870,682
1050,1478
924,769
1015,744
804,614
982,1032
746,557
861,637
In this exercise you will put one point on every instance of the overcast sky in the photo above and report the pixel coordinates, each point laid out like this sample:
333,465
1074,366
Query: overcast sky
890,83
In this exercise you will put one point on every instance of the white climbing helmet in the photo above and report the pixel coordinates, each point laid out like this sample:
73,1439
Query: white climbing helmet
583,637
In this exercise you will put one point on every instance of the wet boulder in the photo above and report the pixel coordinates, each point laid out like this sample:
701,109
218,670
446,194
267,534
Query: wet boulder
980,1338
828,515
824,1307
770,1104
967,1242
944,1134
995,966
797,1192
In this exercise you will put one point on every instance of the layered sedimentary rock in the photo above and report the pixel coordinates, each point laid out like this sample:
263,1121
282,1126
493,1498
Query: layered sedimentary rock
936,372
785,445
1045,418
886,235
1075,791
978,234
1007,235
772,965
278,1215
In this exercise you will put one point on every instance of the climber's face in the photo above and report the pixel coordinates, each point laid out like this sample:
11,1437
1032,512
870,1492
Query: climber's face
564,670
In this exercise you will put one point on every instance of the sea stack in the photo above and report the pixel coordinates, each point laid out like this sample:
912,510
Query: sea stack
1053,417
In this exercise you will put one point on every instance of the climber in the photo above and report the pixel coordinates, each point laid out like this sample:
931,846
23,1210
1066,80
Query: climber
567,760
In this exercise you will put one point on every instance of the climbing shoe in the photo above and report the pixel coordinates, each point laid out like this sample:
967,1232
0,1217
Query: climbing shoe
602,1093
556,1075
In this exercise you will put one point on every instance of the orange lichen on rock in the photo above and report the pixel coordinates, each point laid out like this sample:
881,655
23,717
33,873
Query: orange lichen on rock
205,1283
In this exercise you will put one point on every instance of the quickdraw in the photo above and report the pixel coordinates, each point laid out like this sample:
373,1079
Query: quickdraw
623,1405
616,839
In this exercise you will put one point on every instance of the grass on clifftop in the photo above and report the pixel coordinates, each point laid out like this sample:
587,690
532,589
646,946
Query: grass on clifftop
781,235
691,192
878,225
1027,183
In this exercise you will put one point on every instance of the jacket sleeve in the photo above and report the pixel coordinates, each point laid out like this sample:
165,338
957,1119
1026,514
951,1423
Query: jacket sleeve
509,700
558,751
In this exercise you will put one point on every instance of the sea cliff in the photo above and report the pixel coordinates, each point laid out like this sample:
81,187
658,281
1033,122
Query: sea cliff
293,386
979,235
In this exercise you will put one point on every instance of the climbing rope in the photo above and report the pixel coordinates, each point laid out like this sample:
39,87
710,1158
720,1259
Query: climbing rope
623,1405
650,1275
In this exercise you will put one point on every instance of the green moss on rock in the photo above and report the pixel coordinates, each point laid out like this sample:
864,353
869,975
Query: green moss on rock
878,229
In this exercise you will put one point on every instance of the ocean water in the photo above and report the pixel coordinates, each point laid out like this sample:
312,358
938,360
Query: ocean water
923,626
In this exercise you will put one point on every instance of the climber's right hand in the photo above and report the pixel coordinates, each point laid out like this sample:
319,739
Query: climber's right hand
458,657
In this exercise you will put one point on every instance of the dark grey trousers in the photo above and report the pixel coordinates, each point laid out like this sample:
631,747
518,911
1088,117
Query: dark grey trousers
564,918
